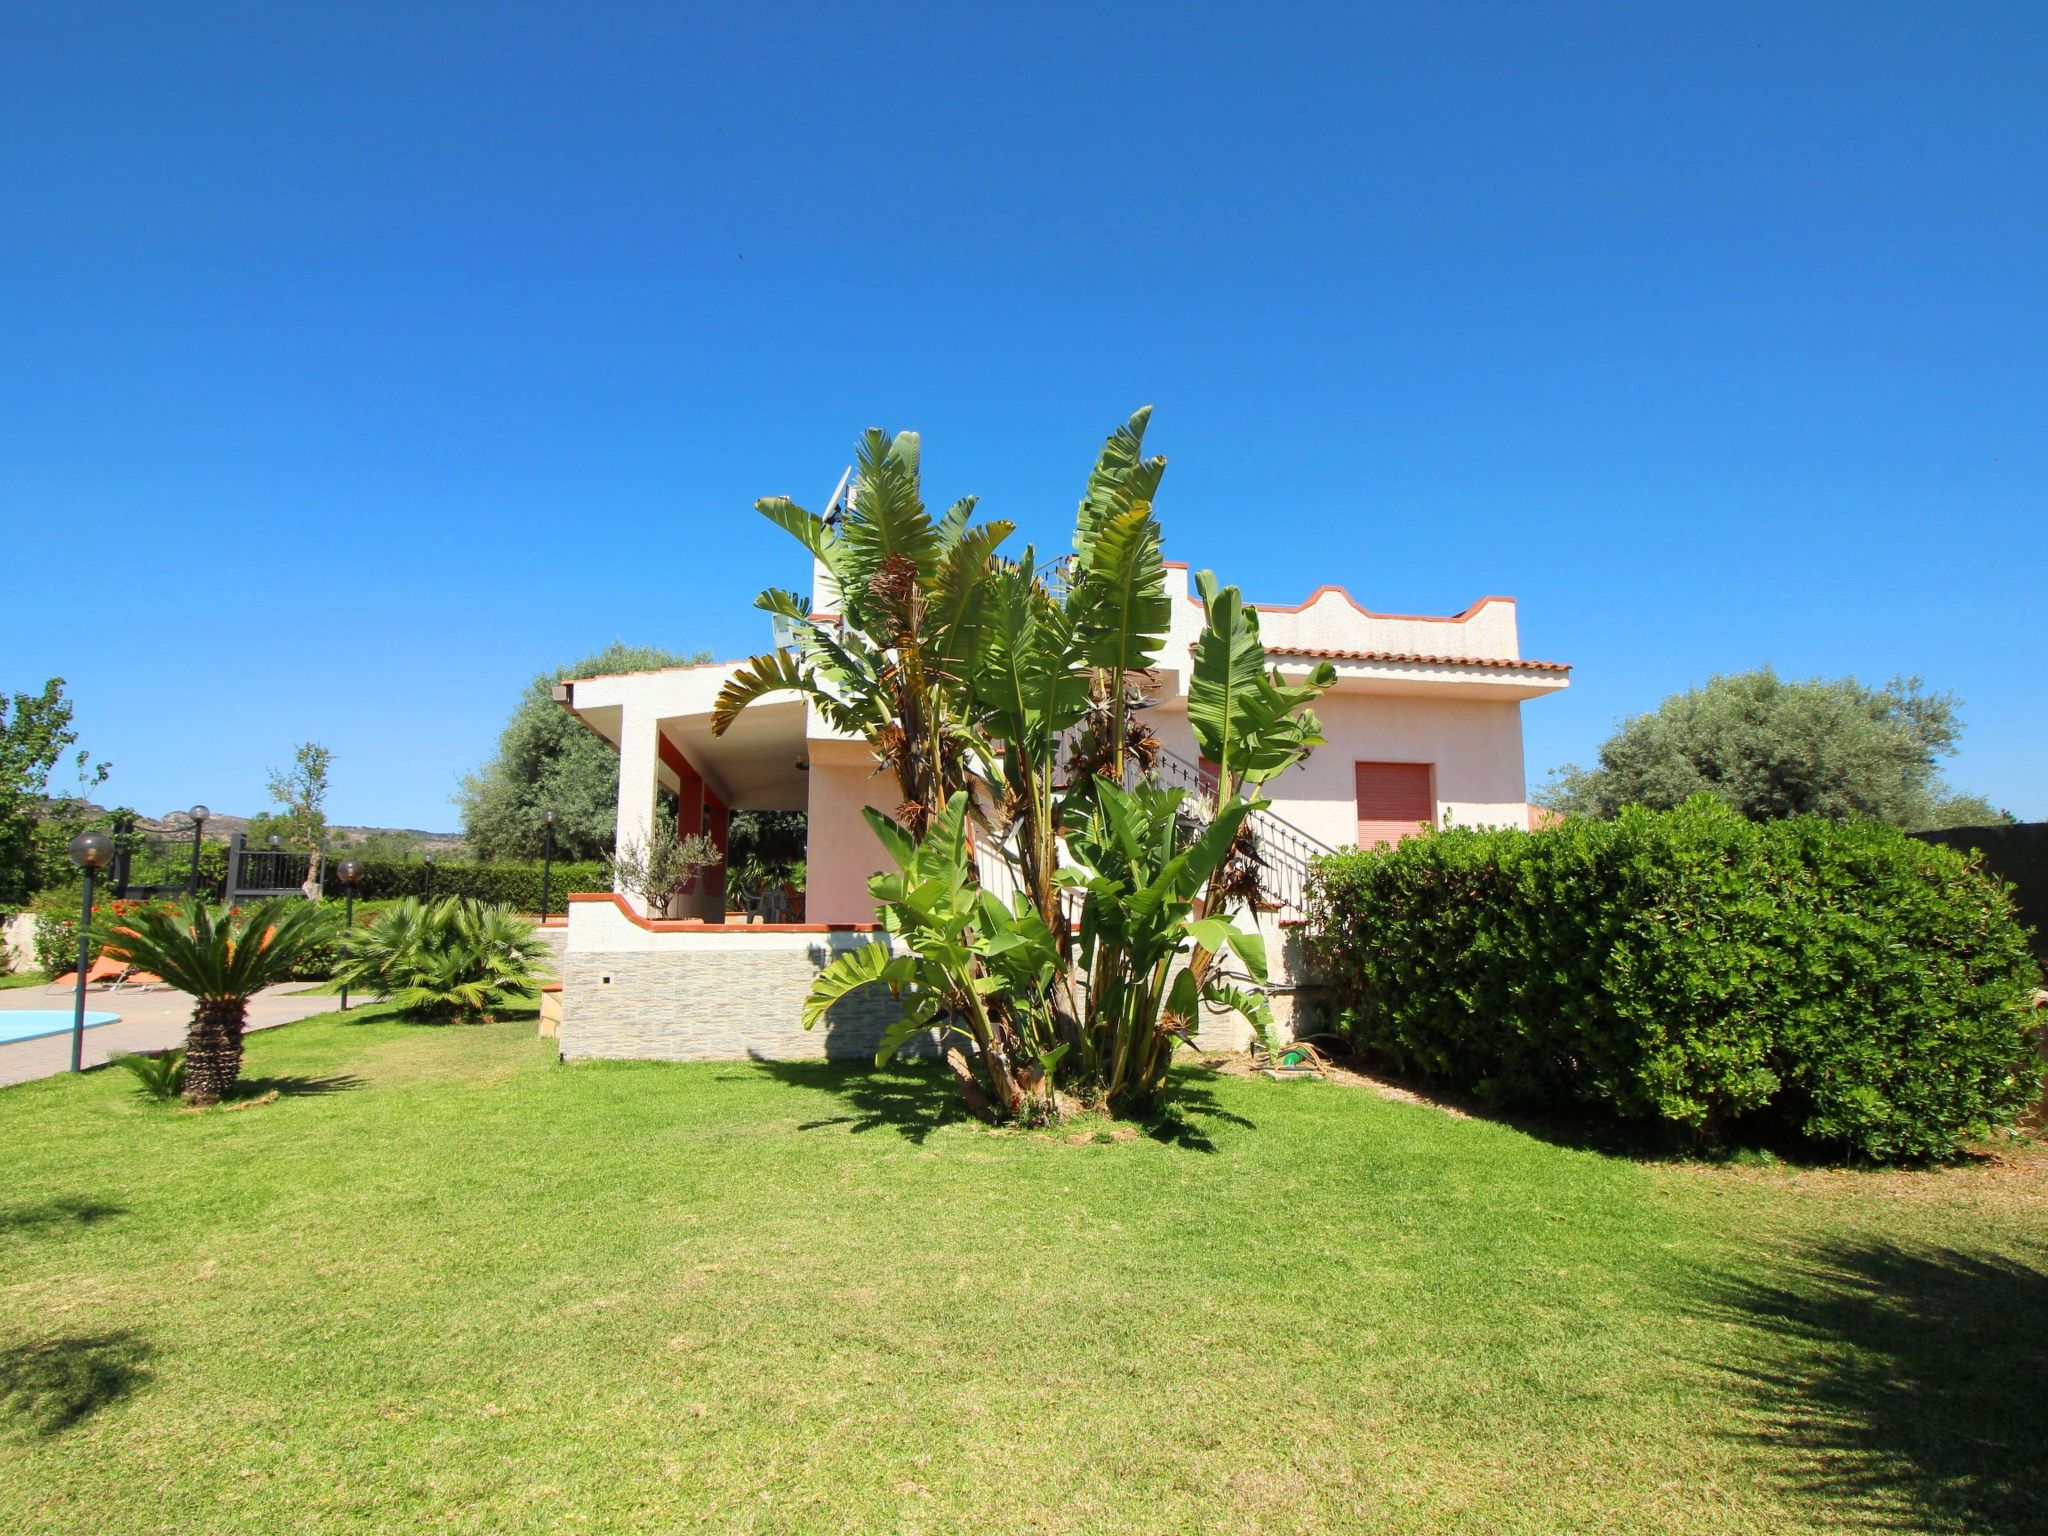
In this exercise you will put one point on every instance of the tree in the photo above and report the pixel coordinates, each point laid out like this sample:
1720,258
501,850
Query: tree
660,866
221,960
35,734
390,844
1773,748
549,760
301,790
1002,696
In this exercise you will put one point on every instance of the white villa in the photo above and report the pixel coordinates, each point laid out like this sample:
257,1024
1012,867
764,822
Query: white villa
1424,723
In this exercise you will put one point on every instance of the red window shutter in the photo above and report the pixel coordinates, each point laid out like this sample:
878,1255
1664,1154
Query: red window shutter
1395,800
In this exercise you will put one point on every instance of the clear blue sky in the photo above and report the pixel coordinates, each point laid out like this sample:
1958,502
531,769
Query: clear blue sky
359,362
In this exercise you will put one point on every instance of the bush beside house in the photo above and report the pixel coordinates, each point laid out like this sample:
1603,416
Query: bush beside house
1841,982
2016,853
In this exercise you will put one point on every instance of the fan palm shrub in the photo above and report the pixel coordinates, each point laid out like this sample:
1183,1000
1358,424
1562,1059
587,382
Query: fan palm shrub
221,959
159,1075
451,957
1003,696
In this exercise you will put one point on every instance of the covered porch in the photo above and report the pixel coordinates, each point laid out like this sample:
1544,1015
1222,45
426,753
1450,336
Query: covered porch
776,756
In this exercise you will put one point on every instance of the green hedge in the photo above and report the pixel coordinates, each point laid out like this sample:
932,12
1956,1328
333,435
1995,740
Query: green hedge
2018,855
1867,992
511,885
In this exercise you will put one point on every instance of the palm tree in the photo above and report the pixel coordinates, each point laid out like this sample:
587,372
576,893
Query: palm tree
221,959
446,957
894,663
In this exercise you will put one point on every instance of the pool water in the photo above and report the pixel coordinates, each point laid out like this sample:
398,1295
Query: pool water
28,1023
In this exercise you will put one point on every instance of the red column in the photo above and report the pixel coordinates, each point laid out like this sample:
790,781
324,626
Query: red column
718,827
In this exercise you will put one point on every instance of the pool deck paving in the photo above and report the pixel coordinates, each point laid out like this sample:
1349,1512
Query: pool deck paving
150,1021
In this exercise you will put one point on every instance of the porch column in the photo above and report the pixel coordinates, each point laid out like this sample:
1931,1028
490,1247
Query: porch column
639,775
718,827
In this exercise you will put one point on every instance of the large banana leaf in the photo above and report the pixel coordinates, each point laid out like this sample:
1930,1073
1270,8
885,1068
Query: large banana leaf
849,971
1024,675
1122,478
954,607
808,528
1246,720
1120,605
888,515
771,672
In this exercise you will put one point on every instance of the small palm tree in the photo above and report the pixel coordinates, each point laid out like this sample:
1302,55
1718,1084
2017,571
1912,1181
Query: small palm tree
447,957
220,959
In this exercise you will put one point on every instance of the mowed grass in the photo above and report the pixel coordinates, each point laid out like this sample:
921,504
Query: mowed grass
445,1284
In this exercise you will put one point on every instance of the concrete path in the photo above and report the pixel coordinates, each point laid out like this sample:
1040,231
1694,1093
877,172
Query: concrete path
149,1021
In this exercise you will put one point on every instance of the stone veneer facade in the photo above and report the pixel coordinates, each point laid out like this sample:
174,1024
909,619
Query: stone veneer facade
639,991
636,990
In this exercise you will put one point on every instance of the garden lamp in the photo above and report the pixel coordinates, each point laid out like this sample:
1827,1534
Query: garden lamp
348,871
427,880
198,813
547,858
91,852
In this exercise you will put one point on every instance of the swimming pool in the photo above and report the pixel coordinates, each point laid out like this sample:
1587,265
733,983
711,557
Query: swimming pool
29,1023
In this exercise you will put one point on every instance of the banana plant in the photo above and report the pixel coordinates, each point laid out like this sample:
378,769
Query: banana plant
1143,868
893,663
1000,694
978,972
1247,719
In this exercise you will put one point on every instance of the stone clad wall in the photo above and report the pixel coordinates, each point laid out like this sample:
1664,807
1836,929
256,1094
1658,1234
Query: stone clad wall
636,991
710,1005
633,991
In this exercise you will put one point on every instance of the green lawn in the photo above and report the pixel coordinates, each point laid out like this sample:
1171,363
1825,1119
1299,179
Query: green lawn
444,1284
22,979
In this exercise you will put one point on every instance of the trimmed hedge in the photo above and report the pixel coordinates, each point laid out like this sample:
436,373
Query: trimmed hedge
2018,855
506,885
1689,968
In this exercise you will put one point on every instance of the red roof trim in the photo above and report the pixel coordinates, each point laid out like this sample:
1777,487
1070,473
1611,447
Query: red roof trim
698,925
1411,656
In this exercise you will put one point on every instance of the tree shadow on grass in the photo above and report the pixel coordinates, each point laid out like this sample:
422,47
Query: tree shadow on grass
49,1385
912,1103
296,1087
1907,1383
1178,1122
64,1211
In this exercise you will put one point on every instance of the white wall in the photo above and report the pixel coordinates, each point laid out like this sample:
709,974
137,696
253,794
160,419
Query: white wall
1476,746
843,853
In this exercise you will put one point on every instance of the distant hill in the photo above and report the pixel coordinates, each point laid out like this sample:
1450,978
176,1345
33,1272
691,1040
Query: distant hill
220,826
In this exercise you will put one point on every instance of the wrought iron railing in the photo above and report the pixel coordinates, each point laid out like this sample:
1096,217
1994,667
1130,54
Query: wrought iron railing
153,863
1286,855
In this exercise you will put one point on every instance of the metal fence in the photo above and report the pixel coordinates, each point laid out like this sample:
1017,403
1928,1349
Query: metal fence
257,873
153,863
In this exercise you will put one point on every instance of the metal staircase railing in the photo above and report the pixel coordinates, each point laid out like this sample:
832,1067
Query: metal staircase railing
1286,853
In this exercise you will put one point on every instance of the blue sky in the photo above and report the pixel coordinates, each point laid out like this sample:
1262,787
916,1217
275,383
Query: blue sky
357,363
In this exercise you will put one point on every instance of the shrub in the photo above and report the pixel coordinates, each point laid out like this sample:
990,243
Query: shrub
446,957
56,931
2017,854
159,1075
504,885
1692,969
